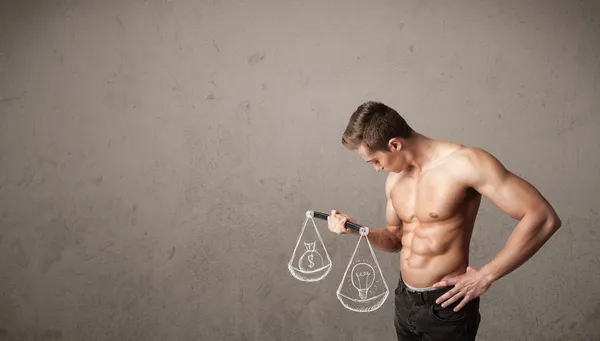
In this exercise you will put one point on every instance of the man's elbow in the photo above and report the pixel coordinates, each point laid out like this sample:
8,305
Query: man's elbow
553,222
557,223
397,248
545,220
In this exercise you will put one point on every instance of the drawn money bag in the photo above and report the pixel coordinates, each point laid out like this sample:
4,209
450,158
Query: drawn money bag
363,288
310,261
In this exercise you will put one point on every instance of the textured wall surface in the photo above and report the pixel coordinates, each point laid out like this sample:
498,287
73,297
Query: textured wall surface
157,158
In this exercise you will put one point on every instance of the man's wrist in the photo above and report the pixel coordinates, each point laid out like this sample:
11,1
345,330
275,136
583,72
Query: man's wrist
489,275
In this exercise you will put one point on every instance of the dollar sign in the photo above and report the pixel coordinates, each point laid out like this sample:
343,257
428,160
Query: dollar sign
310,261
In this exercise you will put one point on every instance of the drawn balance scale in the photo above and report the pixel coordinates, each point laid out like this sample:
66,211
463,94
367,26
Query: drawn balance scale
310,261
363,288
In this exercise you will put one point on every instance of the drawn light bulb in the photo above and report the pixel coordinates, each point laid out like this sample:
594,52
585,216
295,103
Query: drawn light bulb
363,276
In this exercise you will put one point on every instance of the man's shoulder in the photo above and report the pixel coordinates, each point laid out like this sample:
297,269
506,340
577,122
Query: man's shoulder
392,176
472,155
391,180
471,162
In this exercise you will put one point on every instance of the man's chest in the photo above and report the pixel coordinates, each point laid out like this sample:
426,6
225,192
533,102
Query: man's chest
431,197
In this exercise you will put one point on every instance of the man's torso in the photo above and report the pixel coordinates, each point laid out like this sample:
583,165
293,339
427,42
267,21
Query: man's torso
438,212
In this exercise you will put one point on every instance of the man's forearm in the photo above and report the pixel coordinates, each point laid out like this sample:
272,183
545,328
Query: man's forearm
527,238
383,239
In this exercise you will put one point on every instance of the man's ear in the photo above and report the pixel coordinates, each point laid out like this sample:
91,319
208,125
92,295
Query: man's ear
395,144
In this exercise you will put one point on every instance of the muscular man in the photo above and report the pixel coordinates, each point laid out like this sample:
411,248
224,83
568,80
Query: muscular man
433,191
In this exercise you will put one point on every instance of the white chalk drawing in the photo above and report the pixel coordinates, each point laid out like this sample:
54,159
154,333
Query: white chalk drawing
363,288
363,276
310,261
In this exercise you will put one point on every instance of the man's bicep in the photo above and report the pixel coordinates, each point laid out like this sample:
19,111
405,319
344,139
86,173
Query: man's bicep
511,193
392,221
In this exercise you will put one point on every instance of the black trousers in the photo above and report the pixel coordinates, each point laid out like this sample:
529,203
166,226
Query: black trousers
418,317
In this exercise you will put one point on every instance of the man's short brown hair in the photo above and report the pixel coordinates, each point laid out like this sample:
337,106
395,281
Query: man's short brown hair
374,124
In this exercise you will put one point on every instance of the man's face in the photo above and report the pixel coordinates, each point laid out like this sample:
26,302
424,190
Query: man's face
382,160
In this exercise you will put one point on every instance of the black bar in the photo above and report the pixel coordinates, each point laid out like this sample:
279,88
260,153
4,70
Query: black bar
349,224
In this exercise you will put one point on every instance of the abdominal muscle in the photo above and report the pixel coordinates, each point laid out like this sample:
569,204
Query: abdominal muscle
433,252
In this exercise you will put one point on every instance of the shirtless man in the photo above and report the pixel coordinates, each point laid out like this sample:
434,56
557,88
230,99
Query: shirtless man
433,191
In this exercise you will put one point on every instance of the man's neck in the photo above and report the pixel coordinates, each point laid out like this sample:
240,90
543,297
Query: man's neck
420,149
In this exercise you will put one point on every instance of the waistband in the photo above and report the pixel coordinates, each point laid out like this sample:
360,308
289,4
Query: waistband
418,289
419,297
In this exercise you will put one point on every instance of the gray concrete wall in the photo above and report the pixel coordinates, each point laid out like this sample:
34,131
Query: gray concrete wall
157,158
